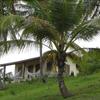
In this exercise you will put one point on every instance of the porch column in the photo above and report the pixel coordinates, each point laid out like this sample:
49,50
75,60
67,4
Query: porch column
45,68
23,71
26,73
34,69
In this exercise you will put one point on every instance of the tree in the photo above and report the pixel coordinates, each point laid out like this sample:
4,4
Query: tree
66,22
61,24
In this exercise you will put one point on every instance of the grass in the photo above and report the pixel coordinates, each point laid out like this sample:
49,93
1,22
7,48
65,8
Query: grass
83,88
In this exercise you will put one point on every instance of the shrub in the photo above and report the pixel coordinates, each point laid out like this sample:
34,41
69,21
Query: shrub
90,63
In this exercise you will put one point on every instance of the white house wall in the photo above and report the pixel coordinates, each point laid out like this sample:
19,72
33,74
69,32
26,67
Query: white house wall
72,67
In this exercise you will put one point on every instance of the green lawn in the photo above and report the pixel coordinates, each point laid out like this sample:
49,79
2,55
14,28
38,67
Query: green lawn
83,88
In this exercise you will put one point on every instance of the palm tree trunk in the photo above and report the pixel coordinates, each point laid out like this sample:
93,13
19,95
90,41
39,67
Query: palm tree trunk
63,89
41,63
41,69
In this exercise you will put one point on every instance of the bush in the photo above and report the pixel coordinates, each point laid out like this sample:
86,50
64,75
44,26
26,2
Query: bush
90,63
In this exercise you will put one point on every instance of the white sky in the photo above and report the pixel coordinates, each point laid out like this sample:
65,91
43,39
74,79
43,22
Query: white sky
94,43
16,56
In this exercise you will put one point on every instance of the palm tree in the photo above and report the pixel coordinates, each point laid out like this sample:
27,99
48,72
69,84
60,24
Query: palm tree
66,21
61,24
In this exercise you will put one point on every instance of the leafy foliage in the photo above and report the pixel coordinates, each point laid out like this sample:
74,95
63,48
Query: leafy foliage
40,29
90,62
65,13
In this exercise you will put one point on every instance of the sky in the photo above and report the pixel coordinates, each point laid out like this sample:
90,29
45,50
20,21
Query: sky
94,43
15,55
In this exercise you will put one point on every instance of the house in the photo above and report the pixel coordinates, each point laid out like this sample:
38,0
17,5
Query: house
30,68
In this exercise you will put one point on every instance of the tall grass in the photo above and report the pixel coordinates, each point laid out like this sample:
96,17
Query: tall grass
83,88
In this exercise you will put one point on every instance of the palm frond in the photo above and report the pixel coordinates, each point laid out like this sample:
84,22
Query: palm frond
8,21
77,48
9,45
40,29
50,55
66,13
95,22
8,25
88,33
74,58
5,46
91,29
90,6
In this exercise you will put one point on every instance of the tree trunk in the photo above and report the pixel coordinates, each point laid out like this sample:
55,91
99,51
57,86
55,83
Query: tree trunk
61,63
4,73
41,63
63,89
41,69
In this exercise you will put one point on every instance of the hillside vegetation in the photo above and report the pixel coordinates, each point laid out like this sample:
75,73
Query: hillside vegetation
83,88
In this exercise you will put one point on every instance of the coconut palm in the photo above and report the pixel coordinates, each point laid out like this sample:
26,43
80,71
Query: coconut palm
61,24
66,21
